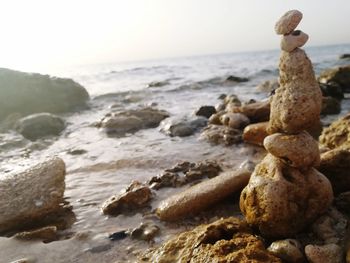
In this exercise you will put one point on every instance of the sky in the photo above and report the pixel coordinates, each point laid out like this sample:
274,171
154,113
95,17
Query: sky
39,34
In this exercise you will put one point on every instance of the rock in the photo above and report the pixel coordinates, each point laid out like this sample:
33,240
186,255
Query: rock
299,150
28,196
46,234
337,134
235,79
76,151
288,22
219,134
182,127
28,93
296,104
135,196
330,106
342,202
215,119
158,84
225,240
145,231
281,201
335,164
255,133
232,99
293,40
330,253
118,235
289,250
39,125
332,89
206,111
24,260
234,120
131,121
268,86
256,112
338,75
202,195
344,56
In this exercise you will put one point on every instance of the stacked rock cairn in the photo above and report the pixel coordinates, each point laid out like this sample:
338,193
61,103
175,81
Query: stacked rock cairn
285,192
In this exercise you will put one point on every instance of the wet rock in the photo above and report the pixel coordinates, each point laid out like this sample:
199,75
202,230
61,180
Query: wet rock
145,231
46,234
256,112
330,253
24,260
234,120
330,106
131,121
344,56
182,127
235,79
268,86
339,75
158,84
281,200
299,150
28,196
76,151
294,40
202,195
219,134
289,250
232,99
206,111
288,22
225,240
332,89
39,125
255,133
337,134
135,196
296,104
342,202
118,235
335,164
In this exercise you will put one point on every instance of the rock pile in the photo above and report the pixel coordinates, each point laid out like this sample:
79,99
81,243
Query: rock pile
285,193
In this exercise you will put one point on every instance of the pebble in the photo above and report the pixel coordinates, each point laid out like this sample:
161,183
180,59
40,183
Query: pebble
288,22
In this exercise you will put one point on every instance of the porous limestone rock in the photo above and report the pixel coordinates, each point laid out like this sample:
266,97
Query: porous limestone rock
235,120
337,134
296,39
296,104
281,200
338,75
300,150
288,22
255,133
46,234
289,250
28,196
330,253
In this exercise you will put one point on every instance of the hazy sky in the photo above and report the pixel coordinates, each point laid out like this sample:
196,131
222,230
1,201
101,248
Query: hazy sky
44,33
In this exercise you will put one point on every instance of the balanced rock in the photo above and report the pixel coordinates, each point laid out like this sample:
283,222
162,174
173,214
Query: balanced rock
299,150
288,22
281,200
294,40
296,104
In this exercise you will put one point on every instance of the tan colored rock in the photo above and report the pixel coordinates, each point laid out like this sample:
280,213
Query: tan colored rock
225,240
28,196
289,250
47,234
337,134
234,120
219,134
293,40
299,150
288,22
256,112
281,200
296,104
330,253
202,195
255,133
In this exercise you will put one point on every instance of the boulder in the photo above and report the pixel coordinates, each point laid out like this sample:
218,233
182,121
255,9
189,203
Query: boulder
332,89
256,112
225,240
288,22
255,133
182,127
234,120
339,75
235,79
281,200
329,253
206,111
29,196
337,134
40,125
330,106
28,93
219,134
289,250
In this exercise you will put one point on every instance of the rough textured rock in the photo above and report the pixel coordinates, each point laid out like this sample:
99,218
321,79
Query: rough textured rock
202,195
339,75
145,231
281,200
40,125
28,196
219,134
255,133
27,93
288,22
335,164
289,250
206,111
234,120
225,240
337,134
296,104
330,253
294,40
256,112
330,106
299,150
46,234
135,196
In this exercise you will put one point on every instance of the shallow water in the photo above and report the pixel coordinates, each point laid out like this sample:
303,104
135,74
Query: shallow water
110,164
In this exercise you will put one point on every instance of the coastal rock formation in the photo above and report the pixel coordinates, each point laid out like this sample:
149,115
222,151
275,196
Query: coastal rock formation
182,127
256,133
219,134
206,111
256,112
337,134
338,75
28,93
28,196
234,120
330,106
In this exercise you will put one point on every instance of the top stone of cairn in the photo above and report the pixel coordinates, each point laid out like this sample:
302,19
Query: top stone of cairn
288,22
